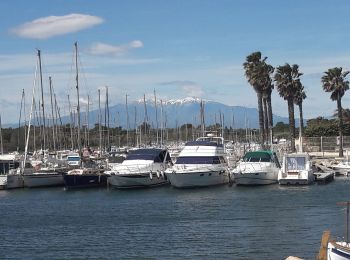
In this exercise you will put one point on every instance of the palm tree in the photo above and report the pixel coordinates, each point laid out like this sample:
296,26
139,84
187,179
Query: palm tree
267,91
334,81
300,95
287,82
257,72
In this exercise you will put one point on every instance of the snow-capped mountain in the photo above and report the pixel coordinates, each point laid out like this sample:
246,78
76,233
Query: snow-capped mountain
177,112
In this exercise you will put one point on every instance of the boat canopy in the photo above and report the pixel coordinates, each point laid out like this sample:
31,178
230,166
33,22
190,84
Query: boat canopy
258,156
156,155
199,160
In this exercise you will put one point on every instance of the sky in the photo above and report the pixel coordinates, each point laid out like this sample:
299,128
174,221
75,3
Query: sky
176,48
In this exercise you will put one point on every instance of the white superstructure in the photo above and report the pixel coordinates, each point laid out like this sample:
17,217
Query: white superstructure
296,170
141,168
257,168
201,163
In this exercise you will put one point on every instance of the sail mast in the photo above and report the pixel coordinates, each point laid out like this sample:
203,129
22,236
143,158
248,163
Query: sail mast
42,102
1,144
53,117
77,87
99,120
155,105
19,121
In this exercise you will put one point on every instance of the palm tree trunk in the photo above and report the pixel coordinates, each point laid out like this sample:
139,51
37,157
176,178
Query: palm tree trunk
270,117
340,116
261,119
266,123
301,119
291,123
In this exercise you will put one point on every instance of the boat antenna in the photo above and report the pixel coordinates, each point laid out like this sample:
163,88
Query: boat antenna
346,203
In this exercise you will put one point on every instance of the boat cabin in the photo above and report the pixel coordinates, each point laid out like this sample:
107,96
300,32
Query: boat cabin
262,156
155,155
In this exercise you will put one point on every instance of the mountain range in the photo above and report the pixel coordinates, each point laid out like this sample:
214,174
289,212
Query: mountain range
177,112
173,113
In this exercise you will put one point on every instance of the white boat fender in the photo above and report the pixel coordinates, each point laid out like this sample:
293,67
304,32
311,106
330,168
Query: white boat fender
158,174
150,175
162,174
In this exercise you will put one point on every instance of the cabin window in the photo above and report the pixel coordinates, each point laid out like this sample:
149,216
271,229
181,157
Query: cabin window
198,160
295,163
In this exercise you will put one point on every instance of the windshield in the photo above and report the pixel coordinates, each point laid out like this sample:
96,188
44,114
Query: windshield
200,160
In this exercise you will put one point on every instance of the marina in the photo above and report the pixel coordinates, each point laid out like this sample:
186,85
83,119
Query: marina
174,130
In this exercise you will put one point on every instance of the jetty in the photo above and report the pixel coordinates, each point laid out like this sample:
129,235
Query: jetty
324,174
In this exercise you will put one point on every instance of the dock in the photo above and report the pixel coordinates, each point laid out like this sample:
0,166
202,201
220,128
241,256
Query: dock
324,174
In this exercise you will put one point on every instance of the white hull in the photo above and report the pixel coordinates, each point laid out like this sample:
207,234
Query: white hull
255,178
338,252
198,179
300,179
43,179
3,181
136,180
14,181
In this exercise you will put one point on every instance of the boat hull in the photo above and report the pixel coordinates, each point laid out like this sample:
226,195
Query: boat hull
257,178
338,252
198,179
124,181
43,180
84,180
3,181
296,181
14,181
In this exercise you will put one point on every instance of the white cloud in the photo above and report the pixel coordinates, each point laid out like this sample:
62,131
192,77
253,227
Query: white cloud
104,49
51,26
189,87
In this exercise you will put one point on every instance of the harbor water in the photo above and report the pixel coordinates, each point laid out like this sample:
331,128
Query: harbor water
270,222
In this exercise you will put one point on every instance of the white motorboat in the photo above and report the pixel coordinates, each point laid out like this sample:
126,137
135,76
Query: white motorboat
8,165
201,163
257,168
296,170
141,168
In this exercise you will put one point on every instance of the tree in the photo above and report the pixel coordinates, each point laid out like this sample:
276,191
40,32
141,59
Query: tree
287,80
253,71
267,91
300,95
334,81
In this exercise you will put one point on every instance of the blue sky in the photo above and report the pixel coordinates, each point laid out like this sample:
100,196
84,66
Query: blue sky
179,48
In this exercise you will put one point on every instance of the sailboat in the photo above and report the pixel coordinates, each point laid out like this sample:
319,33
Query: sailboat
46,174
87,172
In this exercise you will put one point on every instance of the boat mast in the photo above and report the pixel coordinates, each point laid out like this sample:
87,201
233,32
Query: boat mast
155,105
107,113
77,87
1,143
145,122
346,203
99,120
88,115
127,120
53,117
71,124
42,102
19,121
30,120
